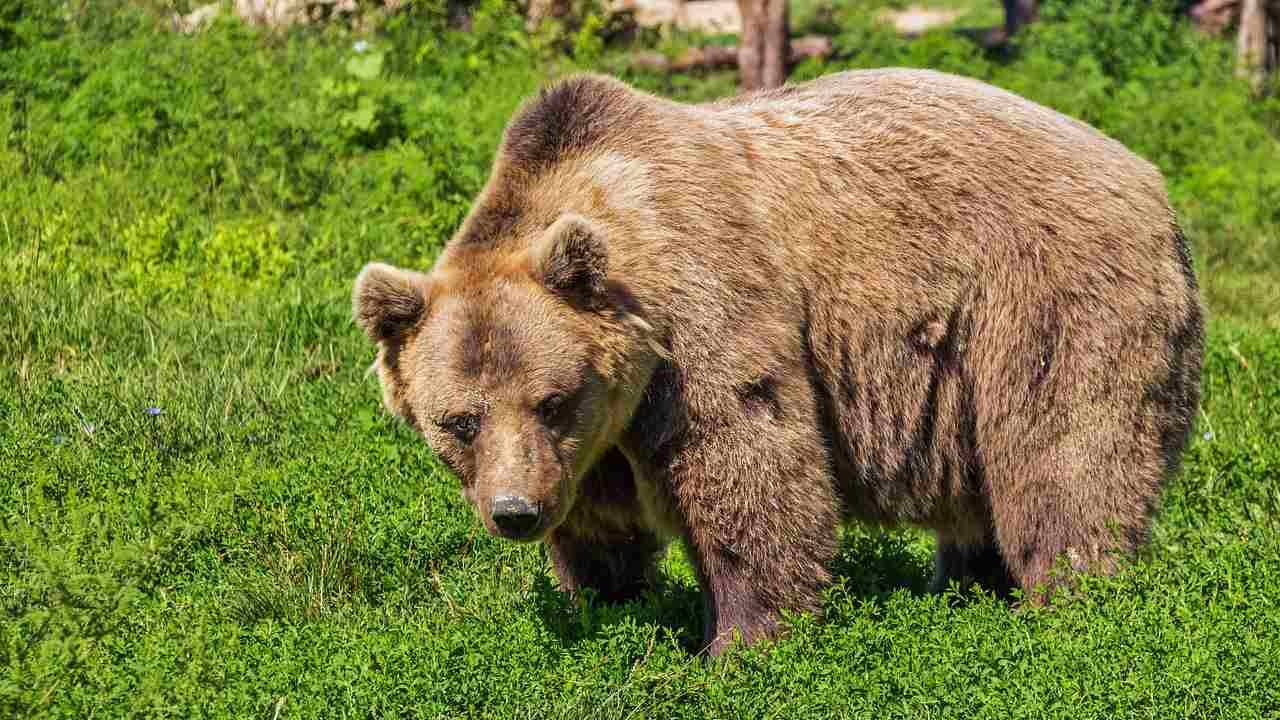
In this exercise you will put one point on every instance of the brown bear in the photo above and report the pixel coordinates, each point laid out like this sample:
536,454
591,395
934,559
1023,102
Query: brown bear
896,296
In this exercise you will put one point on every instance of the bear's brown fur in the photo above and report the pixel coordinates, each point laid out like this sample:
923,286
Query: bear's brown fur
897,296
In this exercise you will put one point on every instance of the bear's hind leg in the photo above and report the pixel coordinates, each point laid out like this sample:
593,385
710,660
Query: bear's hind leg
1081,414
1085,516
1080,487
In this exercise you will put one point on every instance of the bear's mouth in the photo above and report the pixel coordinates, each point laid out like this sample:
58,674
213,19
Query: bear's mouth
533,535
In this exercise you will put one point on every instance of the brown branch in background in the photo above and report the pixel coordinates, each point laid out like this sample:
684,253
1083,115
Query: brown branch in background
726,56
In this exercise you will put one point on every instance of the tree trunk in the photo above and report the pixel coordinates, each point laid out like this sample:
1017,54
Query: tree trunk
776,40
762,47
1271,53
1273,36
1018,14
751,44
1251,46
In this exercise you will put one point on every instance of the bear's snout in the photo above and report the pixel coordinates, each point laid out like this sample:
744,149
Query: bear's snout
515,517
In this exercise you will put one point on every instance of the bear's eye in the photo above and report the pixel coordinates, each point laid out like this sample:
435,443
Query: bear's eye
463,427
550,407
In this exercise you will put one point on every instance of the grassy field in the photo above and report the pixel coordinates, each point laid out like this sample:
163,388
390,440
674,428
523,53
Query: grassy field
204,511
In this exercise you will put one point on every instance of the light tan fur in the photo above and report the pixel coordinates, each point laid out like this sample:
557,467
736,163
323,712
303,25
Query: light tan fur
898,296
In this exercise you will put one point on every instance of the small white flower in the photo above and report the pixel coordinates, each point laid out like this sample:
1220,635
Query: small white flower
360,46
1208,435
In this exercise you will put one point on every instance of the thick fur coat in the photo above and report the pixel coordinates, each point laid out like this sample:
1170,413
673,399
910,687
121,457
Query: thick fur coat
896,296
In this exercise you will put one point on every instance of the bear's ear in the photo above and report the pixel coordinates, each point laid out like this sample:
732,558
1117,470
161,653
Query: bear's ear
572,260
388,301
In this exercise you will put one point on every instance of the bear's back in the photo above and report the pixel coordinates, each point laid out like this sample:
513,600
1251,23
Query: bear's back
887,182
889,100
906,168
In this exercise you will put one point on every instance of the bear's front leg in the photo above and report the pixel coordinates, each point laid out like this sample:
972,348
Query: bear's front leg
618,566
603,544
761,516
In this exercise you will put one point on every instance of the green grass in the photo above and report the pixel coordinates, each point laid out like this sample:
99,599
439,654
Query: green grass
180,221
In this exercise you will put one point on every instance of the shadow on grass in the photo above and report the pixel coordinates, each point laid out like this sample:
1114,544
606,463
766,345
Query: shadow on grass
669,605
874,564
870,564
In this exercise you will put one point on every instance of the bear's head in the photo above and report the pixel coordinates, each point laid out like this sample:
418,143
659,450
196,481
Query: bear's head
520,368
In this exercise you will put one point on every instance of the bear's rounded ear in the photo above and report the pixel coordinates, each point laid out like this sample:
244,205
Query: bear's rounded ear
387,301
572,260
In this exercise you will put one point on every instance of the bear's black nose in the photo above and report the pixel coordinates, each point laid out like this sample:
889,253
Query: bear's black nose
515,516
